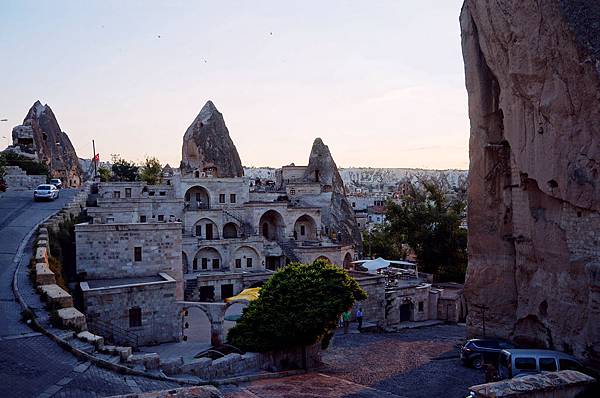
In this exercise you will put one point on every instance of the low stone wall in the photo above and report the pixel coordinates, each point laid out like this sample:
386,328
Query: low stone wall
17,179
563,384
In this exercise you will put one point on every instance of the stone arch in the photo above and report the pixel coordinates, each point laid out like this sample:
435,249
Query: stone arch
230,231
305,228
197,198
197,325
271,225
205,229
324,258
234,308
207,258
185,264
348,261
245,258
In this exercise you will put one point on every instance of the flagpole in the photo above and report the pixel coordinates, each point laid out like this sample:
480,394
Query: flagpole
94,160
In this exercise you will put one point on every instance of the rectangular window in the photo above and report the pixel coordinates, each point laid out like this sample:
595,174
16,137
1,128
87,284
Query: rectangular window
195,264
151,193
238,263
142,218
292,191
110,220
215,263
222,198
302,230
135,317
128,192
232,198
161,217
199,230
162,193
548,364
249,262
525,363
421,306
204,263
137,253
116,194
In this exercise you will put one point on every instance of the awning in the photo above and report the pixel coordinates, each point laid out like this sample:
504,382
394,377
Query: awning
378,263
245,295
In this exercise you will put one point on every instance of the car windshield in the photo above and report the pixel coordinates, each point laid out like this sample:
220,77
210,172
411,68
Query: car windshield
44,187
54,181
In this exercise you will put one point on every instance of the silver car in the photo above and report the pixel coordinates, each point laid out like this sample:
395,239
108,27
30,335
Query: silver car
518,362
56,182
45,191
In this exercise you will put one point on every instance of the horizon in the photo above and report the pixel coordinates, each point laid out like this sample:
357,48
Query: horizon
378,90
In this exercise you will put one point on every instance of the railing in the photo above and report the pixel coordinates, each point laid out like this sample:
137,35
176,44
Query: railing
113,333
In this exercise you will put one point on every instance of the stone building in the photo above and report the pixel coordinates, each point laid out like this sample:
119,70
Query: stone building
204,233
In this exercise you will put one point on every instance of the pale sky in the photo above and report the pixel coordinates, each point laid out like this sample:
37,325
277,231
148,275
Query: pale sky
381,82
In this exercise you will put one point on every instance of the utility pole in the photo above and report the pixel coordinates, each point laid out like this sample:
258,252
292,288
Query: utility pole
94,160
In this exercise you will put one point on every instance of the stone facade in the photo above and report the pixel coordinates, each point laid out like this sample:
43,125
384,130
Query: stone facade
17,179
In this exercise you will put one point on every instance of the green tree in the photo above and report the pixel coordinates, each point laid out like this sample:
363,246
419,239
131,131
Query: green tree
124,170
151,171
380,242
299,305
430,224
105,174
31,167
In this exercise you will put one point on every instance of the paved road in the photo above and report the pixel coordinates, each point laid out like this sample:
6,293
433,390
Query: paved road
32,365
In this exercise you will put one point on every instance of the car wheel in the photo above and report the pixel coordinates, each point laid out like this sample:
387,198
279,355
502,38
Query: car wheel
477,362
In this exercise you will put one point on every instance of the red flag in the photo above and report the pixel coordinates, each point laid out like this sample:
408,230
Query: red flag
96,157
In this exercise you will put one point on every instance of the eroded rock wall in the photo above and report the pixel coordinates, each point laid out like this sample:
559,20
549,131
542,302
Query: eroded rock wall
533,79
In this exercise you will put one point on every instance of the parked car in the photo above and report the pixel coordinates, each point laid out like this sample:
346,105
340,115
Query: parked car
476,352
56,182
45,191
519,362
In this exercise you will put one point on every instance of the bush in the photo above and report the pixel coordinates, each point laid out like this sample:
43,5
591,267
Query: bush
31,167
299,305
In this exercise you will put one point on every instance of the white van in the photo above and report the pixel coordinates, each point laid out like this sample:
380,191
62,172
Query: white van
515,362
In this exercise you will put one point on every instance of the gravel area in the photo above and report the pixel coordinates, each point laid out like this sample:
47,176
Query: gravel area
412,363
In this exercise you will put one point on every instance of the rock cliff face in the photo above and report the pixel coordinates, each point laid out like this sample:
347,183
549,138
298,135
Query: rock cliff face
40,137
533,78
338,216
207,147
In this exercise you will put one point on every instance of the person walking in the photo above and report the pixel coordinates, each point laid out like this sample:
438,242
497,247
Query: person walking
346,318
359,318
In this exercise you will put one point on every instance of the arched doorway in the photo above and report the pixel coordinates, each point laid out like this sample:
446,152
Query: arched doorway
196,326
305,228
232,313
324,258
205,229
348,261
271,225
197,198
245,258
230,231
206,259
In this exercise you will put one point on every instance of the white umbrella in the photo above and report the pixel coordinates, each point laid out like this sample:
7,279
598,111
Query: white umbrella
378,263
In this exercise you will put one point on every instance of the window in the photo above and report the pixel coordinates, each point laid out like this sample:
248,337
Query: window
116,194
135,317
353,204
525,363
421,306
292,191
142,218
567,364
215,263
249,262
128,192
222,198
151,193
110,220
238,263
161,217
232,198
204,263
195,264
302,230
162,193
548,364
199,230
137,253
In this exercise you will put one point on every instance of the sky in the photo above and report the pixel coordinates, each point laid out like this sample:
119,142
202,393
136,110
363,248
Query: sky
381,82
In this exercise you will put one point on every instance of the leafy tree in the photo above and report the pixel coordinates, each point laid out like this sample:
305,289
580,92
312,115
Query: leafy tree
105,174
124,170
379,242
151,171
31,167
430,224
299,305
2,166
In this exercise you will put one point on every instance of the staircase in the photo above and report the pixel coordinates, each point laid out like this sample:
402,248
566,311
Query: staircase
246,228
287,247
191,287
112,333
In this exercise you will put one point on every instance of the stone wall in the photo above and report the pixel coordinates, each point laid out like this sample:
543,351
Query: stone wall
106,251
374,306
17,179
111,302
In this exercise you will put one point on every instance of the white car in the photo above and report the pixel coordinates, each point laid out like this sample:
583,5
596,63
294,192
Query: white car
56,182
45,191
